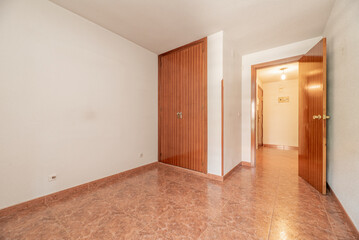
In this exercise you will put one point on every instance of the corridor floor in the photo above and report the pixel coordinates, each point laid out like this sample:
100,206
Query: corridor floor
268,202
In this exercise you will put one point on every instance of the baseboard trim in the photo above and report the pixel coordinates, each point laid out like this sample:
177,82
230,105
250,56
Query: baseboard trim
282,147
215,177
243,164
209,175
246,164
231,171
205,175
47,199
86,187
345,213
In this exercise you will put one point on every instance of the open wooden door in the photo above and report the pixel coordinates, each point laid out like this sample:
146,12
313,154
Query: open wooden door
313,116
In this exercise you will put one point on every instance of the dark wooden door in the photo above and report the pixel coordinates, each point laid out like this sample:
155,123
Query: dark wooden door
183,106
313,116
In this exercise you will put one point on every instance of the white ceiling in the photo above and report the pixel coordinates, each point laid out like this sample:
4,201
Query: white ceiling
161,25
273,74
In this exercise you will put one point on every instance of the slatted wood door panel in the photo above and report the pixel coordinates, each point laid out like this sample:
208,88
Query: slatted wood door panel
312,112
167,110
183,88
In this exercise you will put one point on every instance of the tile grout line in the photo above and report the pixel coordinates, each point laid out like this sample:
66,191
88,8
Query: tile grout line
193,189
174,203
277,185
148,224
275,202
199,237
173,181
326,213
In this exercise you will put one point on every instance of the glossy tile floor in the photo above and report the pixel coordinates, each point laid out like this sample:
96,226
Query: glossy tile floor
269,202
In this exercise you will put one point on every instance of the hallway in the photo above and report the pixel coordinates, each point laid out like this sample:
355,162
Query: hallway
162,202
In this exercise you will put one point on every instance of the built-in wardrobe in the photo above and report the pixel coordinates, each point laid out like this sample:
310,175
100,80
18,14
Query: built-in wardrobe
182,106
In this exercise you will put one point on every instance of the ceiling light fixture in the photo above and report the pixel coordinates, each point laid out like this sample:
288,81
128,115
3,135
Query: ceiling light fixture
283,74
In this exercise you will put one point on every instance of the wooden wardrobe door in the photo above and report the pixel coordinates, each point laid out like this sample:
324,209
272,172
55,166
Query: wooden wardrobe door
312,117
167,122
183,89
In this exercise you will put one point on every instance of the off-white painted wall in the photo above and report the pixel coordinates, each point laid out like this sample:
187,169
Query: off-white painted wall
214,77
285,51
223,63
280,120
232,104
342,32
75,99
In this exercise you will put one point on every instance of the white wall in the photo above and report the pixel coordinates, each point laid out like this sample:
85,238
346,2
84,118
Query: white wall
232,104
214,77
342,32
75,100
280,120
223,63
285,51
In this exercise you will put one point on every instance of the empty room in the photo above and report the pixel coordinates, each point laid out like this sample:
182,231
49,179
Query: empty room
179,119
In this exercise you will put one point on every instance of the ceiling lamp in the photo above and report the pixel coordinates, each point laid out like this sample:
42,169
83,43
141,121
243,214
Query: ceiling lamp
283,74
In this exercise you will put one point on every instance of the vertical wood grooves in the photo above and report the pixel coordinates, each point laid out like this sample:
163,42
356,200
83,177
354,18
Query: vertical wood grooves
222,126
193,100
160,115
205,121
183,88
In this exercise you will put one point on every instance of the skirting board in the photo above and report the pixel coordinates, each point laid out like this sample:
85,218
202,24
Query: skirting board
86,187
209,175
44,200
244,164
282,147
348,219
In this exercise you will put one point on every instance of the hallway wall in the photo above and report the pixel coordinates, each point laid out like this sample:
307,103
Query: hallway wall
280,120
342,32
232,104
214,78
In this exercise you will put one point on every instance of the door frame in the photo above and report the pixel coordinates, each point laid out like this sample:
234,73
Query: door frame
254,69
259,87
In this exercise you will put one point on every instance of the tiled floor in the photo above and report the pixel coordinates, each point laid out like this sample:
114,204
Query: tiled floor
269,202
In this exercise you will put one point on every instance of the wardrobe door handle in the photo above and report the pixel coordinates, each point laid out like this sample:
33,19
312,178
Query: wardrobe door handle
179,115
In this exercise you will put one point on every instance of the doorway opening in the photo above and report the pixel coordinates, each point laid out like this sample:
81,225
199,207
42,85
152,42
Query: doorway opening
270,103
312,116
277,114
277,107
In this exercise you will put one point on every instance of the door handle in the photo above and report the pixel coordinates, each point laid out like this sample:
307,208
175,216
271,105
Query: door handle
179,115
326,117
317,116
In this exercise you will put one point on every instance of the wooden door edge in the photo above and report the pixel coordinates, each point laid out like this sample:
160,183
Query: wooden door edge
324,167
